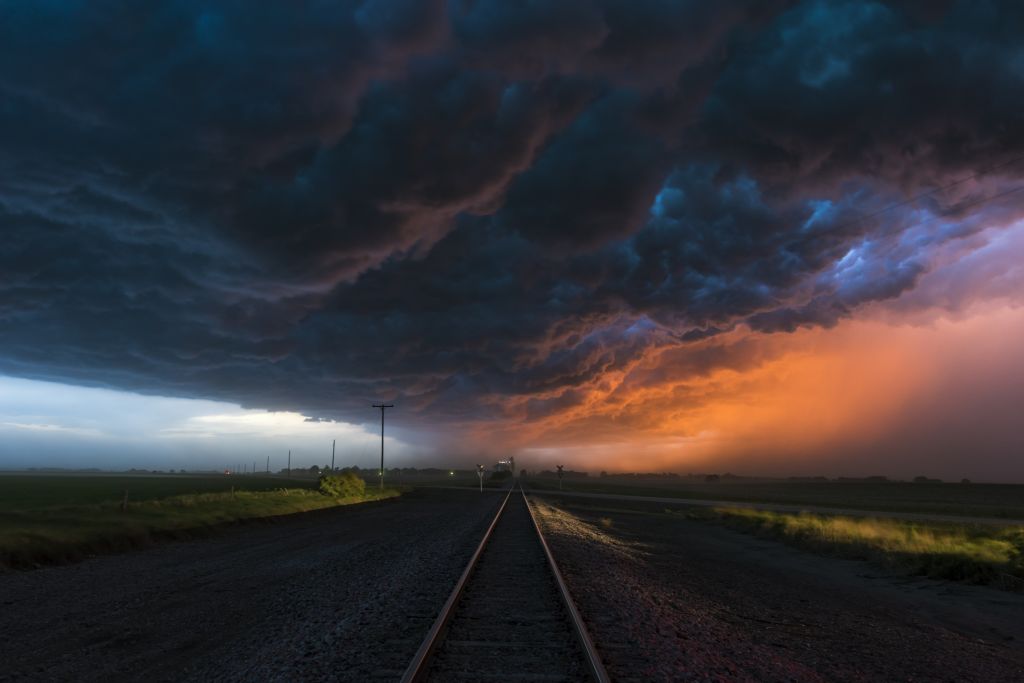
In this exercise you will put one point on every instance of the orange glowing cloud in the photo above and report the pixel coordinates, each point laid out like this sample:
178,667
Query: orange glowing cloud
817,401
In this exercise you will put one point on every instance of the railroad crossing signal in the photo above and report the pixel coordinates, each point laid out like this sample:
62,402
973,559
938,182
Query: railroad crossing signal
480,474
559,476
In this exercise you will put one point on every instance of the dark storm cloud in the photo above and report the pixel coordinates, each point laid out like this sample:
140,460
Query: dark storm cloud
442,142
834,90
593,183
477,207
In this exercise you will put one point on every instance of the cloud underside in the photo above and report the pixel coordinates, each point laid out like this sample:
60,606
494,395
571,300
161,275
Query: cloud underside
489,211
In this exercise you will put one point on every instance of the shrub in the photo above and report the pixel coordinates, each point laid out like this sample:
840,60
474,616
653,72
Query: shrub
345,485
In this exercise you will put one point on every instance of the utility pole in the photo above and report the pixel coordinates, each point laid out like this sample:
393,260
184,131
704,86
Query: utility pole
268,464
382,407
332,453
289,464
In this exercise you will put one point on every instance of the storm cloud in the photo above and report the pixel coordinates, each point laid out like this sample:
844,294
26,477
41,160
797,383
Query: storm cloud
484,210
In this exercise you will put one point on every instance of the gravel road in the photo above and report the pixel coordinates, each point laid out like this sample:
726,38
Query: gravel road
671,599
340,594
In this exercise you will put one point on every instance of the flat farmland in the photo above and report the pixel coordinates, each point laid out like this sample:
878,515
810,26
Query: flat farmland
47,519
24,492
1005,501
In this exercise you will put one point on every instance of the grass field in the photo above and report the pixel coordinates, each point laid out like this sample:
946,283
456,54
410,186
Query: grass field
1003,501
35,491
973,553
57,518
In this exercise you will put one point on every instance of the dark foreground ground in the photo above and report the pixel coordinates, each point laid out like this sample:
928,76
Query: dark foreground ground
668,598
340,594
347,594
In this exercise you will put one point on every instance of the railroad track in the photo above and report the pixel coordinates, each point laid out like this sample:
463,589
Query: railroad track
510,616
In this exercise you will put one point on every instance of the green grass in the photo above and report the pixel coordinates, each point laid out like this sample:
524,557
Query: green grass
34,491
972,553
49,520
1001,501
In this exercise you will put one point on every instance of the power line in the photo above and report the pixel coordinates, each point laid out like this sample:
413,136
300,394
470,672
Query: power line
933,191
977,202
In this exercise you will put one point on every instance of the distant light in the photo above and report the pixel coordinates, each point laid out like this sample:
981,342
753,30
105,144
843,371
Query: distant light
452,473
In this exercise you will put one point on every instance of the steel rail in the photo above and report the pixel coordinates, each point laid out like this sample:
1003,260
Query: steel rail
419,664
594,664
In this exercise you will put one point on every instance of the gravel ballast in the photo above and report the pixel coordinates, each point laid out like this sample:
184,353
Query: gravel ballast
671,599
344,594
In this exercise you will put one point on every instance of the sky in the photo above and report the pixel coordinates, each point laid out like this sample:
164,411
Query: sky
773,238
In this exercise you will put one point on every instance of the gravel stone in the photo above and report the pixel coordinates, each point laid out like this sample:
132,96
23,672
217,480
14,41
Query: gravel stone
344,594
671,599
